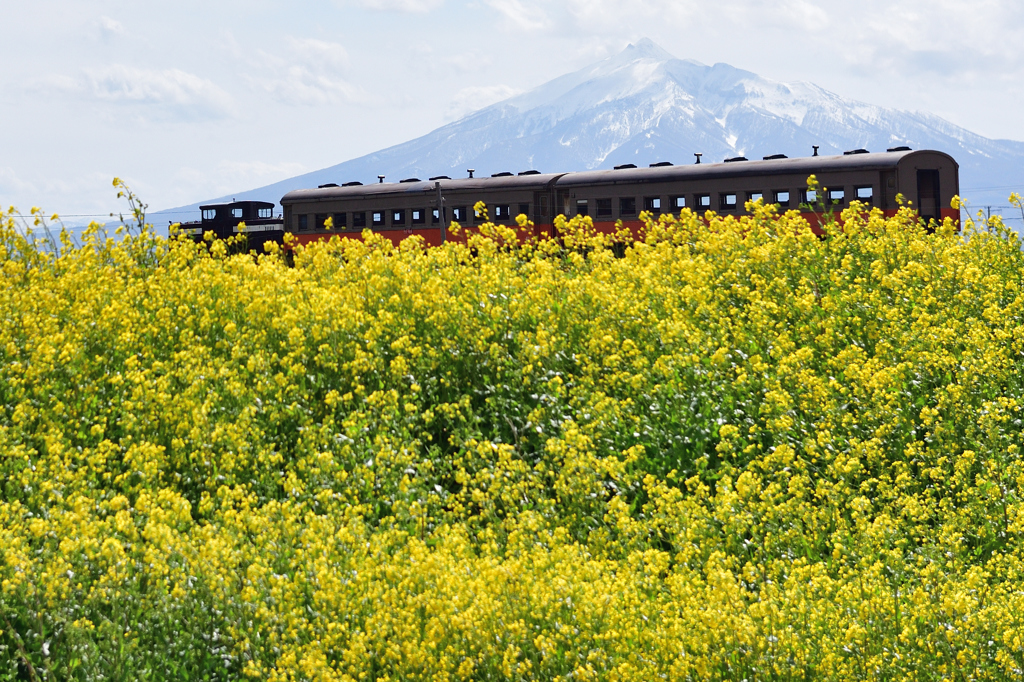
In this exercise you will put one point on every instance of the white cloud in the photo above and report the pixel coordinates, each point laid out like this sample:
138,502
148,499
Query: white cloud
526,16
109,28
307,72
471,99
163,93
409,6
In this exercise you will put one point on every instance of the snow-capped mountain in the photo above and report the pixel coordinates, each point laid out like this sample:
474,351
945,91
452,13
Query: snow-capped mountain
643,105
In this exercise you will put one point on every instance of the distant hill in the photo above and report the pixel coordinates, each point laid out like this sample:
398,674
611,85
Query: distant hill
643,105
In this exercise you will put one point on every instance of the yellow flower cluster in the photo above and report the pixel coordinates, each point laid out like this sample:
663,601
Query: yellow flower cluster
728,450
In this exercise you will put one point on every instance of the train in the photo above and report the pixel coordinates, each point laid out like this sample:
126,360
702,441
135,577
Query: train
928,179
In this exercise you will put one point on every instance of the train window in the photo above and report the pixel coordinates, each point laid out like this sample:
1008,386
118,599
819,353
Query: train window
524,209
435,216
419,216
703,201
236,213
727,202
604,207
265,213
303,222
340,221
502,212
652,205
398,217
836,196
755,196
479,216
378,218
865,194
542,209
209,214
627,206
678,202
782,198
459,214
582,207
359,219
810,196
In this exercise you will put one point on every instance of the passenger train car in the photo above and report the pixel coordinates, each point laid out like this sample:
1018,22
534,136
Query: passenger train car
927,179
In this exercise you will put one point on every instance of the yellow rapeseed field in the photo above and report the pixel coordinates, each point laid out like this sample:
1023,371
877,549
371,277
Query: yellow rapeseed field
731,450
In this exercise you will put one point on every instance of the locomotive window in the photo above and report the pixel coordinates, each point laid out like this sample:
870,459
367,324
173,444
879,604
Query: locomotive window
524,209
378,218
398,217
865,194
836,196
678,202
340,221
727,202
303,222
209,214
359,219
236,213
782,198
627,206
652,205
419,216
582,207
810,196
604,207
502,212
265,213
755,196
459,213
703,201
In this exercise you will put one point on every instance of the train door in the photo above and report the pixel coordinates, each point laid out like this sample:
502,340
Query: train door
888,190
928,199
540,210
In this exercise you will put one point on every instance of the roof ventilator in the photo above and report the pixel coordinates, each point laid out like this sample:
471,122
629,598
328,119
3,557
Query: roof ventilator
503,174
698,155
440,177
624,166
530,172
326,185
410,180
661,164
898,149
354,183
855,151
773,157
815,150
471,171
380,179
736,158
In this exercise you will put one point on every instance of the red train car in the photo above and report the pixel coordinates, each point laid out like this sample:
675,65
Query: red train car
927,179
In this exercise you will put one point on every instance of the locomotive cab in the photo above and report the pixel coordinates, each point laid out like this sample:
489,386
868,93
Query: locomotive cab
224,220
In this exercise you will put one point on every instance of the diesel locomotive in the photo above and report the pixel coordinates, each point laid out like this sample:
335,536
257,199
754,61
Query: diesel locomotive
927,179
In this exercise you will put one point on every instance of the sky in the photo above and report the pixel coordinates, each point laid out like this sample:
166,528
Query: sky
189,100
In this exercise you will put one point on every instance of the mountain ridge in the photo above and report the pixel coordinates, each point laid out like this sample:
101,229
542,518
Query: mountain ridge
643,105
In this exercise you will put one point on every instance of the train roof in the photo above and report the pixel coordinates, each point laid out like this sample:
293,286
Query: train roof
851,161
527,182
250,202
860,161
